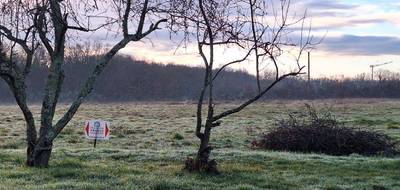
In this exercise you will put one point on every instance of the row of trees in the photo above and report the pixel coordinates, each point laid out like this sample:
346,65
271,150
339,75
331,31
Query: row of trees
135,81
143,81
264,32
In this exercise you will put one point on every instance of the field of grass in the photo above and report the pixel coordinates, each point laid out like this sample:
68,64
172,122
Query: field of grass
150,141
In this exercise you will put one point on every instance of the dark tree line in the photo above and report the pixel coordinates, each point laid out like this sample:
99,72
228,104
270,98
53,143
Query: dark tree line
130,80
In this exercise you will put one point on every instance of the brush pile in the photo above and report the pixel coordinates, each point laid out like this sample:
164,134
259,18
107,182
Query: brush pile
309,132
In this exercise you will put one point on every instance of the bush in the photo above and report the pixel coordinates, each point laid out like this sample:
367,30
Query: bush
309,131
178,136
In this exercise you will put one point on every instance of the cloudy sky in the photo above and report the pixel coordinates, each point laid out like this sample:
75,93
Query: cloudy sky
358,33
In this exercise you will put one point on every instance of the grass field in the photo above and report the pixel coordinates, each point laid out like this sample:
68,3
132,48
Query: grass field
150,141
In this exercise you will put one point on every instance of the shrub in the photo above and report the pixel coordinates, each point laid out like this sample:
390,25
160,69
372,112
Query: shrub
178,136
392,126
308,131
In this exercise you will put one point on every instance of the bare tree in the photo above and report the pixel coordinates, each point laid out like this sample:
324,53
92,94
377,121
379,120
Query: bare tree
263,32
18,28
51,23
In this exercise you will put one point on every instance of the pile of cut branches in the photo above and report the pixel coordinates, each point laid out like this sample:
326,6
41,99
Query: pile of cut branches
309,131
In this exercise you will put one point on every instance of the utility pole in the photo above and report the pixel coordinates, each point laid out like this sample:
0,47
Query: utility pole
309,69
309,76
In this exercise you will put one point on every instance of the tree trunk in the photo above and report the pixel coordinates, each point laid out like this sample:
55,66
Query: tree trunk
29,154
31,135
202,162
40,159
204,151
39,156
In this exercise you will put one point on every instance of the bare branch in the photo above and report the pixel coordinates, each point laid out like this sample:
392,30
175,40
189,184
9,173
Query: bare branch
255,98
233,62
142,17
126,18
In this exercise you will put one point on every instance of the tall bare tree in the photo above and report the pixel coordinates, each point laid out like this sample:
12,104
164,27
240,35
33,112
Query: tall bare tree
51,23
264,33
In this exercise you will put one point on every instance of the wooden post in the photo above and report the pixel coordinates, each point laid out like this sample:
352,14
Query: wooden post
95,142
97,126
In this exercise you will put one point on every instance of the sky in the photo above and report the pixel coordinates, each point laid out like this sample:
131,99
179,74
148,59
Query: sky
358,33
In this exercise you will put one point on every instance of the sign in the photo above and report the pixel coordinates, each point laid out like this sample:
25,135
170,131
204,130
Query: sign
97,130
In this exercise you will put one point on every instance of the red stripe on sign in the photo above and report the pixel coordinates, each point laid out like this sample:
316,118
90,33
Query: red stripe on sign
87,128
106,130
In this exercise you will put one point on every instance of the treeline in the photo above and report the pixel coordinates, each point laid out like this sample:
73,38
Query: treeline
129,80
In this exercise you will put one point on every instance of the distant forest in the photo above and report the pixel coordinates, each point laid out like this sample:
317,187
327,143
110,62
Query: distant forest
126,79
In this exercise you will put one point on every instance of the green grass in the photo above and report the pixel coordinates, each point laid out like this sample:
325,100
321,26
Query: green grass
150,142
144,169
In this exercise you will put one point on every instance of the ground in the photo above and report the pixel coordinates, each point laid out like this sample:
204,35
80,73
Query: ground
150,142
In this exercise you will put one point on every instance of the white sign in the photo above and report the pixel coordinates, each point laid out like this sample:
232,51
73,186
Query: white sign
97,129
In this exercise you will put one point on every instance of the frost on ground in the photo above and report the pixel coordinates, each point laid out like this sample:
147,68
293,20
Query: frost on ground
150,142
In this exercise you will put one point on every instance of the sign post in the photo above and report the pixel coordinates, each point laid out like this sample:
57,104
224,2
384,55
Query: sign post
97,130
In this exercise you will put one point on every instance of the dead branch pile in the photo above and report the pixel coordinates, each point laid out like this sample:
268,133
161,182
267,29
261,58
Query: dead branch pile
309,132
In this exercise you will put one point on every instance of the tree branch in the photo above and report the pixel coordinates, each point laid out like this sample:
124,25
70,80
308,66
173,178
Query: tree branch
125,18
232,62
142,17
152,28
248,102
